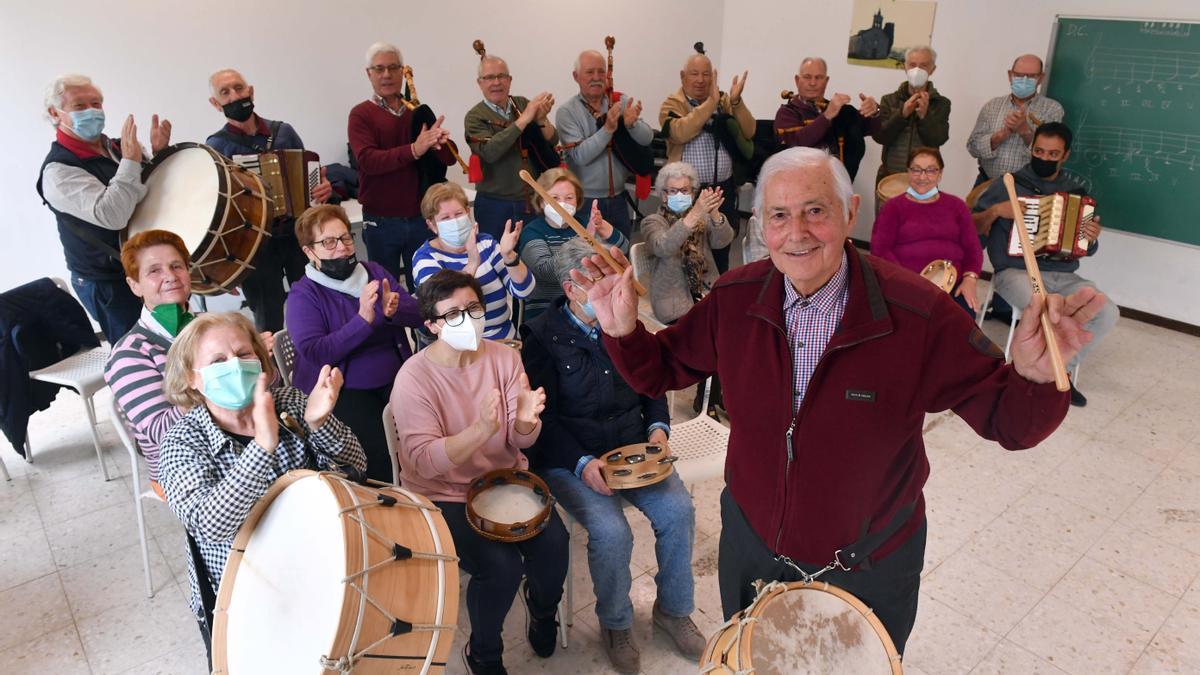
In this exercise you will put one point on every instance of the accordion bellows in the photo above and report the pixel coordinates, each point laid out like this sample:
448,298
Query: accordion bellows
289,177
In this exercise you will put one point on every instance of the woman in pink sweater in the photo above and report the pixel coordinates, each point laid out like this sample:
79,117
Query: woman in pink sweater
463,407
923,225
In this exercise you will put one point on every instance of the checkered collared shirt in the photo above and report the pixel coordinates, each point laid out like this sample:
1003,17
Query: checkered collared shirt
811,322
212,480
382,103
1013,153
702,151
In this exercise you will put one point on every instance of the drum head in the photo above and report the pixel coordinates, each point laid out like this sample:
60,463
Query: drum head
891,186
288,591
508,504
810,630
182,194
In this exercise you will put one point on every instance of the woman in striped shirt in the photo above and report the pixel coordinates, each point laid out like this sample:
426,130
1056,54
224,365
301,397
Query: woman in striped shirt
460,246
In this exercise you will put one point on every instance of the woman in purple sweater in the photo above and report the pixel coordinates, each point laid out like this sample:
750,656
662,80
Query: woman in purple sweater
923,225
350,315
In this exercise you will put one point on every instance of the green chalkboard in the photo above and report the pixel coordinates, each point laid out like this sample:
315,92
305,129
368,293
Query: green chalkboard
1131,91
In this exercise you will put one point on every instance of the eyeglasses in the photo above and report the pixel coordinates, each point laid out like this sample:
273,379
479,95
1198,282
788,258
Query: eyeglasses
496,77
391,68
917,172
455,316
330,243
671,192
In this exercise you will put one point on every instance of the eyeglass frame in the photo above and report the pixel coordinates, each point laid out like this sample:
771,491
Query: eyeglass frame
494,77
670,192
389,68
931,171
461,314
346,240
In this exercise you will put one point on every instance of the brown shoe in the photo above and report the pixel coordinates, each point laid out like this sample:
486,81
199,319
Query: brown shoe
688,639
622,650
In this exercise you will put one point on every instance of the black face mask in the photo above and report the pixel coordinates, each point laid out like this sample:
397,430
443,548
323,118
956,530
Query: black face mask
339,268
239,110
1044,168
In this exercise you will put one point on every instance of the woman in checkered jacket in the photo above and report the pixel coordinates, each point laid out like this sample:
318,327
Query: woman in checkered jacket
228,449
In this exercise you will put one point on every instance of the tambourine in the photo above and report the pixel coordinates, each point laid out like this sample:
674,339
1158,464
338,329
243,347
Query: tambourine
509,505
637,465
941,273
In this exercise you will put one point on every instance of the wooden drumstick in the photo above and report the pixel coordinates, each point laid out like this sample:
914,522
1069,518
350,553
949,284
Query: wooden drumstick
1035,279
579,229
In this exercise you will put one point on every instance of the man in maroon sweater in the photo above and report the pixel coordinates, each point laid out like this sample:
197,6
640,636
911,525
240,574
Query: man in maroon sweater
388,149
830,360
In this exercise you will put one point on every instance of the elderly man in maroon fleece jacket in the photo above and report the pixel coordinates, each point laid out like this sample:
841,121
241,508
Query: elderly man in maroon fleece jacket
830,359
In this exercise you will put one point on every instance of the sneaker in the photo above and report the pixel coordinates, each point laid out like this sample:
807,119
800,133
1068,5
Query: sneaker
688,639
1077,397
481,667
622,650
542,632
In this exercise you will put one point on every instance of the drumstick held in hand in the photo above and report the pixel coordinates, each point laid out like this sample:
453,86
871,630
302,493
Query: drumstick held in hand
1035,279
579,229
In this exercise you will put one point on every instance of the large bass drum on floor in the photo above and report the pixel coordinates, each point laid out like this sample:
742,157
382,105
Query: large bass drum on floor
220,210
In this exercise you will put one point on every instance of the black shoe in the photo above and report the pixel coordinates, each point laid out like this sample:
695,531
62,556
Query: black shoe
1077,398
481,667
542,632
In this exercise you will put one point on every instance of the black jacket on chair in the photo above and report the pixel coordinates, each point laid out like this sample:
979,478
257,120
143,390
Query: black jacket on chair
40,324
590,409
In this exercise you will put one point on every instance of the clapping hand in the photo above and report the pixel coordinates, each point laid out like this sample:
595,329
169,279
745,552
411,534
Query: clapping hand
130,148
367,300
597,225
266,425
530,404
735,90
710,201
489,415
391,300
160,134
633,110
835,105
868,106
612,117
509,239
473,259
430,137
323,397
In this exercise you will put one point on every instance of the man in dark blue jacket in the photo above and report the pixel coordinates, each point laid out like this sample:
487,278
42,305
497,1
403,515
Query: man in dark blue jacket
591,410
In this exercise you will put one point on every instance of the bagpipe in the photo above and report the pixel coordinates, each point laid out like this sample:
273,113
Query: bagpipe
430,169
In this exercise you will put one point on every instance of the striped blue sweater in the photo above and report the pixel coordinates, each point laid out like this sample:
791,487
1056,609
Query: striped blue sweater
492,275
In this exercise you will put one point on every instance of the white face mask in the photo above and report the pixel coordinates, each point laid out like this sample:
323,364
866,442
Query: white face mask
917,77
553,216
454,231
465,336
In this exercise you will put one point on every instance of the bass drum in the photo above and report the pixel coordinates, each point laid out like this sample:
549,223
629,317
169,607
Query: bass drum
220,210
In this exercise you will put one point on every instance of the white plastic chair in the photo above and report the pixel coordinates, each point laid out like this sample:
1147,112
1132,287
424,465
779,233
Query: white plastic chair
393,444
83,372
284,353
140,492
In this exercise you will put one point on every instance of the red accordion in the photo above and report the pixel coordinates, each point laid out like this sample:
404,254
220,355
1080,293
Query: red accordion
1055,225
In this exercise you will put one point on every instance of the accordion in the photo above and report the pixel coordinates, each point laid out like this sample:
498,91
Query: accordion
289,177
1055,225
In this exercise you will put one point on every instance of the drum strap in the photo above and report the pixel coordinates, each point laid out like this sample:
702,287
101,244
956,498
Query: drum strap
244,140
92,239
858,553
208,599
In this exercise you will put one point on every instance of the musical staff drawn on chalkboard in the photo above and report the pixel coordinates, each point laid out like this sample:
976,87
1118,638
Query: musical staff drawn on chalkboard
1102,143
1150,66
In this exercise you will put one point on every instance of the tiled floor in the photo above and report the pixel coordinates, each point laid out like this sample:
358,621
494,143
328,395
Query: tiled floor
1079,556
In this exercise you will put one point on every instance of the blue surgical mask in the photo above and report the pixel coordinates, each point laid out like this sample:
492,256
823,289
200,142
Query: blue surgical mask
455,230
1023,87
87,124
679,202
923,195
230,384
588,310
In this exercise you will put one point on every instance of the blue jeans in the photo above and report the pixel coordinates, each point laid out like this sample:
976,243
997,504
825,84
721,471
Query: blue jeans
610,543
614,209
492,212
392,241
111,304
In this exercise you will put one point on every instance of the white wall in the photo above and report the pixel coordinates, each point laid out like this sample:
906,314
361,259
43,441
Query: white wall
305,59
976,43
307,69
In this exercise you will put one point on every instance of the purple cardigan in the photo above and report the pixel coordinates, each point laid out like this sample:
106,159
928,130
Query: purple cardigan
325,328
913,234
